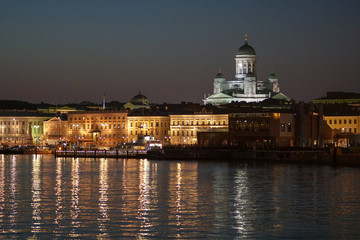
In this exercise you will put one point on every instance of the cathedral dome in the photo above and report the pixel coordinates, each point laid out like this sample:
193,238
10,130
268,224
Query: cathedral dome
246,49
140,99
219,75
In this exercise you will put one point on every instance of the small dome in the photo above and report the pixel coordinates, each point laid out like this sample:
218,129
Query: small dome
140,99
246,49
272,76
219,75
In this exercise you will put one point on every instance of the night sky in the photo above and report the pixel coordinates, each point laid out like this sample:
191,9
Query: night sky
72,51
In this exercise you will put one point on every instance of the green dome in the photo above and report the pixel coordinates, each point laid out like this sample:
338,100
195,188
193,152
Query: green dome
140,99
246,49
219,75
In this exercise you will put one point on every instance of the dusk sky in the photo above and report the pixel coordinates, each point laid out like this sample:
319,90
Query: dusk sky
72,51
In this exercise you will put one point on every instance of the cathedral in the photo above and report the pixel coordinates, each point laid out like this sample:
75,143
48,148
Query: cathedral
245,87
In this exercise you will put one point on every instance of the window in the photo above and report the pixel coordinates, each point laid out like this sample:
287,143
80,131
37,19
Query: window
282,127
349,129
330,121
335,122
354,121
289,127
349,121
339,121
355,130
344,121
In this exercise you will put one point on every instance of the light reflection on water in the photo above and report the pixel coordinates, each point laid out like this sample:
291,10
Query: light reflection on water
44,197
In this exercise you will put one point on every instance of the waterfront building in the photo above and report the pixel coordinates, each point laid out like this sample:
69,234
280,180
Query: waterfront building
343,128
22,128
97,128
138,102
343,124
246,87
55,130
157,127
255,130
185,127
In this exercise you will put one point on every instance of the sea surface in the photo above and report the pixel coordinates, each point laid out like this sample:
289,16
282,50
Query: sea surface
42,197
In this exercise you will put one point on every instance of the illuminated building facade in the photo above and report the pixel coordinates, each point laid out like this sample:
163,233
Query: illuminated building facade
342,128
154,126
98,128
343,124
21,128
184,128
55,130
245,87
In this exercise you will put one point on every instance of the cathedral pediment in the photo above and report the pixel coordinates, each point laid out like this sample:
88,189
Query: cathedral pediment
219,95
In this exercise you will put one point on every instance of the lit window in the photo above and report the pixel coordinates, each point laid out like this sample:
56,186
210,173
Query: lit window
282,127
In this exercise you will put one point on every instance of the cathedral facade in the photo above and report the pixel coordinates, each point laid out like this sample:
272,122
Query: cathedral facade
245,87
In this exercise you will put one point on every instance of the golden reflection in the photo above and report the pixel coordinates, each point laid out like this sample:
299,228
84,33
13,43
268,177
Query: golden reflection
241,202
178,193
144,197
184,197
36,194
2,189
13,202
103,198
75,210
58,192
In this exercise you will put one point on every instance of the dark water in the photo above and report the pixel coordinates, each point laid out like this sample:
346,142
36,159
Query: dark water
42,198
